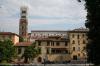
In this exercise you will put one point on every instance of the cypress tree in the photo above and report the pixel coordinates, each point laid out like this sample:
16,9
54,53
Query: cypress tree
93,24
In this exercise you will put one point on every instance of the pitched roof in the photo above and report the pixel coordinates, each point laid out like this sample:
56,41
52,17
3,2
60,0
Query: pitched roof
23,44
82,30
7,33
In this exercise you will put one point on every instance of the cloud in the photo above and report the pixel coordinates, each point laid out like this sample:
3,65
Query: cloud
42,13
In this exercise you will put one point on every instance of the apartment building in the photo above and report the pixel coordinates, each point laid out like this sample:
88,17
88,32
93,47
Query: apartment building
53,49
77,41
61,46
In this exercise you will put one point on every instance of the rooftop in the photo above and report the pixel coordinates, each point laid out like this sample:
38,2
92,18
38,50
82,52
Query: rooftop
24,44
7,33
79,30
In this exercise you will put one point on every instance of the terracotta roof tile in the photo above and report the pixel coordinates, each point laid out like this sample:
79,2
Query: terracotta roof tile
23,44
7,33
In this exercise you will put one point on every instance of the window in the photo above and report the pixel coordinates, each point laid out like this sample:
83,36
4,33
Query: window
66,51
83,35
39,43
73,42
47,50
73,48
78,42
57,43
48,43
52,44
23,11
23,16
52,51
39,50
23,27
79,54
78,49
78,36
73,35
84,48
65,43
84,42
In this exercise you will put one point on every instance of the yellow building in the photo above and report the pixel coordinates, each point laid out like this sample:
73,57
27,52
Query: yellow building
53,49
8,35
77,42
60,49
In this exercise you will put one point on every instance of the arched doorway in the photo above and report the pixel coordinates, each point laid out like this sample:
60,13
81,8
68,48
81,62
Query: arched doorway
39,59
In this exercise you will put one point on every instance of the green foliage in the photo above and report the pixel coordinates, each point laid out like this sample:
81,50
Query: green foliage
93,23
7,50
30,52
21,39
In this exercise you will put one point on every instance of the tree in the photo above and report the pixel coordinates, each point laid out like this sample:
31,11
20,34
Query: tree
93,24
7,50
30,53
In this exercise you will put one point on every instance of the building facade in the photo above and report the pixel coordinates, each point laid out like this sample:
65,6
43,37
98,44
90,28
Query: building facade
41,34
8,35
23,24
59,47
77,41
53,49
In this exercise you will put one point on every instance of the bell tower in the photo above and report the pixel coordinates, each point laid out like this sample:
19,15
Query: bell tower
23,24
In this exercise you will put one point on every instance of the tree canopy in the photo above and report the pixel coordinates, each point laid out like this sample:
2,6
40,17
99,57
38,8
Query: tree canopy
30,52
93,24
7,50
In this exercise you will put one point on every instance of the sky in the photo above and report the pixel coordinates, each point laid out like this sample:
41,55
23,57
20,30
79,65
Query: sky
42,14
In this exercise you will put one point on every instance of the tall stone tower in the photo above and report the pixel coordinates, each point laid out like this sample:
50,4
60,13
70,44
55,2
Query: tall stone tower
23,24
